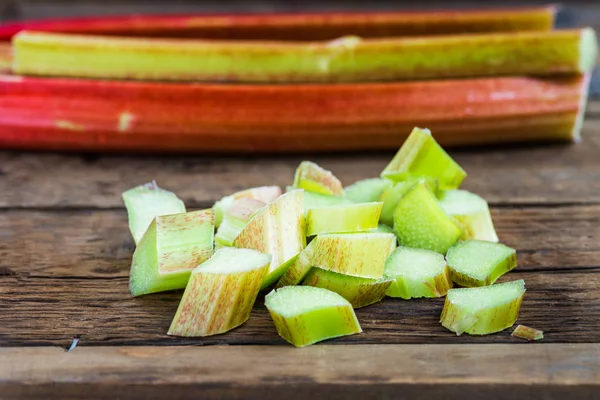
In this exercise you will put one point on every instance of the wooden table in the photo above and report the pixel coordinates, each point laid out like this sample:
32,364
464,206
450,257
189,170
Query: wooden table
65,252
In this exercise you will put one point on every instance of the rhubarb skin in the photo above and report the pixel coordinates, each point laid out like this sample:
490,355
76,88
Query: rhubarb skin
361,255
277,229
171,248
220,293
313,178
5,58
85,115
347,59
314,26
527,333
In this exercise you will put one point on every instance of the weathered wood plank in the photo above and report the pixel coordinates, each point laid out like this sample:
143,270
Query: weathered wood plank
88,244
37,311
506,175
319,372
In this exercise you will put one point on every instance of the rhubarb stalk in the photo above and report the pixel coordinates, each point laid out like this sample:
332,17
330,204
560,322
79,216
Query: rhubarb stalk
277,229
298,26
350,218
305,315
78,115
220,293
483,310
479,263
144,203
360,292
357,254
171,248
347,59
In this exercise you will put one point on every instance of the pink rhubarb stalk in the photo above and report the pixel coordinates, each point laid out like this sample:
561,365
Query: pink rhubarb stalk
76,115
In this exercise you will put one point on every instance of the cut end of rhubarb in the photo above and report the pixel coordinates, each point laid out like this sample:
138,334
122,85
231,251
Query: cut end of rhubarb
471,212
172,246
264,194
311,177
235,219
420,222
417,273
583,99
421,156
479,263
220,293
145,202
343,219
588,48
527,333
304,315
483,310
392,195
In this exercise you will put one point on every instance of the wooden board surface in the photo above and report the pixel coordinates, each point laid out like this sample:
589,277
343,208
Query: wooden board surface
65,251
331,372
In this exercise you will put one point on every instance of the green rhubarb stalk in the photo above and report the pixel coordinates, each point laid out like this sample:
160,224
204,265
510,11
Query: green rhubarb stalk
266,194
311,177
345,59
170,249
343,219
417,273
527,333
277,229
235,219
478,263
304,315
357,254
144,203
420,222
422,156
392,195
367,190
483,310
360,292
471,212
220,293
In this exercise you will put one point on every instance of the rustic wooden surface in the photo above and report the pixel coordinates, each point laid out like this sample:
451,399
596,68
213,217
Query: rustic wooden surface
65,251
334,372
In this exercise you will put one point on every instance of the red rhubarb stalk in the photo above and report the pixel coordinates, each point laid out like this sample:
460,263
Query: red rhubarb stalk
317,26
63,114
5,58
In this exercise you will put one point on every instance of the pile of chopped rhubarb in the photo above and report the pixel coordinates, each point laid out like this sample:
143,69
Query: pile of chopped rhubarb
321,250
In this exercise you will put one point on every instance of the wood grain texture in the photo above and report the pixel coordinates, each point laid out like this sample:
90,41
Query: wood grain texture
320,372
51,310
97,244
503,175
